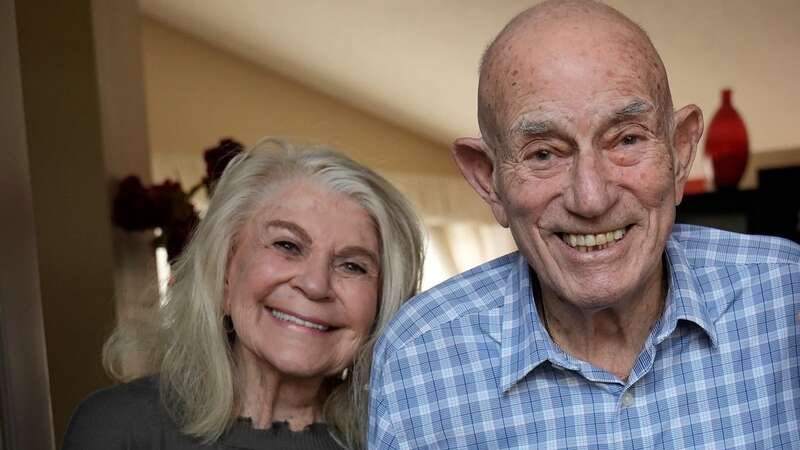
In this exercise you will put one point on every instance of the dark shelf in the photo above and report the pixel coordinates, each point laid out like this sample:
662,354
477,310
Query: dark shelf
729,210
772,209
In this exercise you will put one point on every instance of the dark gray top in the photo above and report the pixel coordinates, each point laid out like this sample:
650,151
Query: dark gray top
130,417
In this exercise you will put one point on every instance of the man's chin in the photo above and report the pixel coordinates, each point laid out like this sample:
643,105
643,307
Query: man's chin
596,292
595,303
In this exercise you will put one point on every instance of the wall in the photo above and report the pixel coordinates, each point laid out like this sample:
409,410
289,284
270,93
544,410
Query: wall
69,195
414,63
197,94
25,417
748,46
75,112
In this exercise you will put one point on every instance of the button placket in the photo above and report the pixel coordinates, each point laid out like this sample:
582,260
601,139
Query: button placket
628,399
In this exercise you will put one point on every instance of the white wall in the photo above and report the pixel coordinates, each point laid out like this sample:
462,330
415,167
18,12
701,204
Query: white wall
749,46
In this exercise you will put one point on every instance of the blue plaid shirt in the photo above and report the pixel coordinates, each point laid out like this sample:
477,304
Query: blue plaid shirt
468,364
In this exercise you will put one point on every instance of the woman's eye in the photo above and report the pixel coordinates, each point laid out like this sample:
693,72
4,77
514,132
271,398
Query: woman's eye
287,246
352,267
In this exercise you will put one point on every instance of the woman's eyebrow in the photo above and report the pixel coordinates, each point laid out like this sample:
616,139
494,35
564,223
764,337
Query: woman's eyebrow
290,226
357,250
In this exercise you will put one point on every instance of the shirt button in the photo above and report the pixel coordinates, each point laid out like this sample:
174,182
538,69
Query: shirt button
627,399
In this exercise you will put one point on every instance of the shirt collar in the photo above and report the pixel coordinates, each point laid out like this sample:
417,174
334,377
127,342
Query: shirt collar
525,343
684,297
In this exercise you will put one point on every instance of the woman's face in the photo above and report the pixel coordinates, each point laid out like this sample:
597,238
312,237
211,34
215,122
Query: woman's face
303,281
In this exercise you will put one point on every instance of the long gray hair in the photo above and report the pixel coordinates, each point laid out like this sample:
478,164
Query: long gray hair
193,354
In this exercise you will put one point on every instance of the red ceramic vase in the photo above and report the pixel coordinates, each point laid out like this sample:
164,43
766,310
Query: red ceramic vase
727,144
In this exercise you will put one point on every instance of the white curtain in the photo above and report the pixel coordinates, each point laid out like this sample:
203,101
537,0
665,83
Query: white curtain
461,230
459,246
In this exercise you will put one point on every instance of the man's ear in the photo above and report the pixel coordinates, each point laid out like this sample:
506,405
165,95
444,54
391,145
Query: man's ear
685,136
475,160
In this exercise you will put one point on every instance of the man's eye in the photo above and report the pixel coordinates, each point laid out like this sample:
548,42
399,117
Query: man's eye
542,155
630,139
287,246
352,267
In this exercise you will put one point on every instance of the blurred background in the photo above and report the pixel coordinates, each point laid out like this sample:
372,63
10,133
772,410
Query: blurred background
94,91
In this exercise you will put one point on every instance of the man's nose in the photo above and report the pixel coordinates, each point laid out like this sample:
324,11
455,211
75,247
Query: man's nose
589,192
313,279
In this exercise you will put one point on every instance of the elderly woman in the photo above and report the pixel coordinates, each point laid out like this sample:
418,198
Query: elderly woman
268,328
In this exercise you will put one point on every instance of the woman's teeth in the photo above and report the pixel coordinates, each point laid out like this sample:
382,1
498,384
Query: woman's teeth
592,242
297,321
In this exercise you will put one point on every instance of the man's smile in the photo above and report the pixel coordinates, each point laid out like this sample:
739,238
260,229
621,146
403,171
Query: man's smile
594,241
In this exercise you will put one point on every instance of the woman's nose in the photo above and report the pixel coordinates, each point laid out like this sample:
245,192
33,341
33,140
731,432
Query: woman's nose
313,279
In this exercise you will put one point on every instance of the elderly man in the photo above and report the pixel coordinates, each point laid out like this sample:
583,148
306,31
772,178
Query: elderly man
610,328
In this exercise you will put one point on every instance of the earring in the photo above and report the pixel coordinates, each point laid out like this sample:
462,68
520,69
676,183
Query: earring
227,324
343,375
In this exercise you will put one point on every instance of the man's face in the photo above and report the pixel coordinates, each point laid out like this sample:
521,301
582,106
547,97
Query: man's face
585,174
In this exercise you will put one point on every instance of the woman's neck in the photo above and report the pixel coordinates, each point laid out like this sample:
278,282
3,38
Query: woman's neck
266,395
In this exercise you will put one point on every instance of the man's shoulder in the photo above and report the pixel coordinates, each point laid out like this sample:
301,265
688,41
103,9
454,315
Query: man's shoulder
705,246
475,291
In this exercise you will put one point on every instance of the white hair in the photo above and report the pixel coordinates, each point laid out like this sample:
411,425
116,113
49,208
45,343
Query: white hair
193,354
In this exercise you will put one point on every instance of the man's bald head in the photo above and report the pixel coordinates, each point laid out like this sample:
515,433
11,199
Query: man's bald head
511,54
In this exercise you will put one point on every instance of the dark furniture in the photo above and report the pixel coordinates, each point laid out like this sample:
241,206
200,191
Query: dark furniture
772,209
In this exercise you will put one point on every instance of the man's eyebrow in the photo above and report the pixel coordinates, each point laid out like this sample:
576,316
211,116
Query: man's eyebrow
533,128
635,108
292,227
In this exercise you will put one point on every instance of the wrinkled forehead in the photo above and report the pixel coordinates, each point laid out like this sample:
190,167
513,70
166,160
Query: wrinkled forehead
571,62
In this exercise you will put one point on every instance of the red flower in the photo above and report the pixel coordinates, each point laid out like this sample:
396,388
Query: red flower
133,207
217,159
164,205
174,214
167,205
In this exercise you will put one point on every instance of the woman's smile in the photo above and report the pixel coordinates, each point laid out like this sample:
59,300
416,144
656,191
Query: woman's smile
293,319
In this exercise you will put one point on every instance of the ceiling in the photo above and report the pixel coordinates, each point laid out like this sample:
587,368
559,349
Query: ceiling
414,62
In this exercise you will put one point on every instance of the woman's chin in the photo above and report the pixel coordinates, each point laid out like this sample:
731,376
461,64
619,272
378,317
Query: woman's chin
293,362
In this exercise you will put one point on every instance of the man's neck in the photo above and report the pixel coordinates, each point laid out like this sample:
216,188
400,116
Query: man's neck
610,338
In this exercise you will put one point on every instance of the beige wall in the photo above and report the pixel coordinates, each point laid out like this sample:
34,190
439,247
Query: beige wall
73,124
25,417
414,63
69,195
197,94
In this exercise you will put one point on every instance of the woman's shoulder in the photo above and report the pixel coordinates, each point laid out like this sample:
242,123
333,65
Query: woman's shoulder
135,399
114,417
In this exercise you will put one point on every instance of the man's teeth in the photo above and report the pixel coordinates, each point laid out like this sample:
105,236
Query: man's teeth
296,320
589,242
